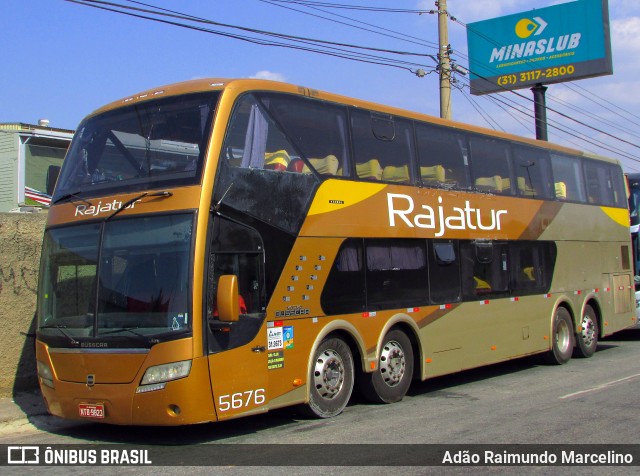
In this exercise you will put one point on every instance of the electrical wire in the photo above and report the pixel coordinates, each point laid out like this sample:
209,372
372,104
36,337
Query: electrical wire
353,7
395,34
337,49
494,42
329,48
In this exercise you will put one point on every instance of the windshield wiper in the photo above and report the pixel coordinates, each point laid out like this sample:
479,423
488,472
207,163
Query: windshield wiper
63,332
126,329
72,195
162,193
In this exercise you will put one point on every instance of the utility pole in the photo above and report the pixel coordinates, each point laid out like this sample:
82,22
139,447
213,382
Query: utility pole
444,61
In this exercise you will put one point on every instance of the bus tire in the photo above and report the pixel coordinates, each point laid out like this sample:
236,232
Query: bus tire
331,379
587,337
390,381
562,338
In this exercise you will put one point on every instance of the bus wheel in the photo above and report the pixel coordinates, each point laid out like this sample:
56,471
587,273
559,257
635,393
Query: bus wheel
331,379
561,337
390,382
587,338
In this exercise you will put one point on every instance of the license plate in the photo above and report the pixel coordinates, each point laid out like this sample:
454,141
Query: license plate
91,410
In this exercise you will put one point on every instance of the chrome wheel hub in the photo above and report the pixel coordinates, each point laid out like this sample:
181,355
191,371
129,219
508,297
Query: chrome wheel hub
563,336
588,330
392,363
328,374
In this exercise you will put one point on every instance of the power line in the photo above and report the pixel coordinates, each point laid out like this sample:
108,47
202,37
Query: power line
593,115
600,131
590,97
179,15
571,132
482,113
331,48
395,34
353,7
335,49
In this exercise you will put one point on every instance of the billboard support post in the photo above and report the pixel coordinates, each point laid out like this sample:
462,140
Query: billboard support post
540,106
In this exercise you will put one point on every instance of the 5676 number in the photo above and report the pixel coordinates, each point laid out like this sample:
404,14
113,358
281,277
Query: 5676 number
241,400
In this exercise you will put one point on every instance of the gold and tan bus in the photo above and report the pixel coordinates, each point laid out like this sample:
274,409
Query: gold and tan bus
220,248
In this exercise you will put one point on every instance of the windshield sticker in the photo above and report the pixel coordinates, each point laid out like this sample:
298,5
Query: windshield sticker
179,321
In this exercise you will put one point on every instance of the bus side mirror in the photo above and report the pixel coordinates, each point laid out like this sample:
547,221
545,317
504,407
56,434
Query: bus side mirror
228,298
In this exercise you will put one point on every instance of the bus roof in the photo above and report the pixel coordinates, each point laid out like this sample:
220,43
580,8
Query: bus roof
241,85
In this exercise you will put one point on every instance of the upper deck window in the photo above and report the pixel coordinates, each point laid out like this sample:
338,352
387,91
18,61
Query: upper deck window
444,157
491,165
288,134
383,146
156,143
533,172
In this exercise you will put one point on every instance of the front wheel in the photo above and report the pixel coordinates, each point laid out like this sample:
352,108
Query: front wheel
331,379
587,338
390,381
561,338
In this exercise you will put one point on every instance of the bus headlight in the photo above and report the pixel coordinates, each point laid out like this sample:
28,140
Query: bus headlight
166,372
45,374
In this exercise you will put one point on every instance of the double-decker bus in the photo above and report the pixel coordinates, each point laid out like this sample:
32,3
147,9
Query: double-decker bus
220,248
633,181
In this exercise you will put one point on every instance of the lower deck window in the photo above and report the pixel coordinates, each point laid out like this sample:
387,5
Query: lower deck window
378,274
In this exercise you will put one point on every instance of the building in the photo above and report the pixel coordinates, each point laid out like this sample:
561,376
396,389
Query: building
30,157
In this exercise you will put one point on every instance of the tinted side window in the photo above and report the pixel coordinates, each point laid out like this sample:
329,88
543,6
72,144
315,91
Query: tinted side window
567,178
396,274
490,162
619,189
533,172
444,271
383,146
344,291
254,140
532,266
317,129
484,270
238,250
599,183
443,157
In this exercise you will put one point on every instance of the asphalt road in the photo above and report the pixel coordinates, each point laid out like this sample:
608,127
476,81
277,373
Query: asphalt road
587,401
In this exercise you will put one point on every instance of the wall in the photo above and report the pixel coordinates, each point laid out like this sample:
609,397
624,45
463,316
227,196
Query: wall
8,170
20,244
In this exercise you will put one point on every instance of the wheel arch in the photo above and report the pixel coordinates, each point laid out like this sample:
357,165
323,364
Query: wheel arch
350,335
404,323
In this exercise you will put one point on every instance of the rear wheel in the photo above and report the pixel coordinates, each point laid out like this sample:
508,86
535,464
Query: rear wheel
390,381
587,338
331,379
561,339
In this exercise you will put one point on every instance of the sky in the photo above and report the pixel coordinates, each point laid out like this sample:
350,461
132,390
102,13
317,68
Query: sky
62,60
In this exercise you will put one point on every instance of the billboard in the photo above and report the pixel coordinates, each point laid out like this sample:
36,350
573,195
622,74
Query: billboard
549,45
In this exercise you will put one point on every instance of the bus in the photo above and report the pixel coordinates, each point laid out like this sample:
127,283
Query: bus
220,248
633,182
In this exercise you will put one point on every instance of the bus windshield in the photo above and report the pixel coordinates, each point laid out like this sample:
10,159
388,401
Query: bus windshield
116,281
157,143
